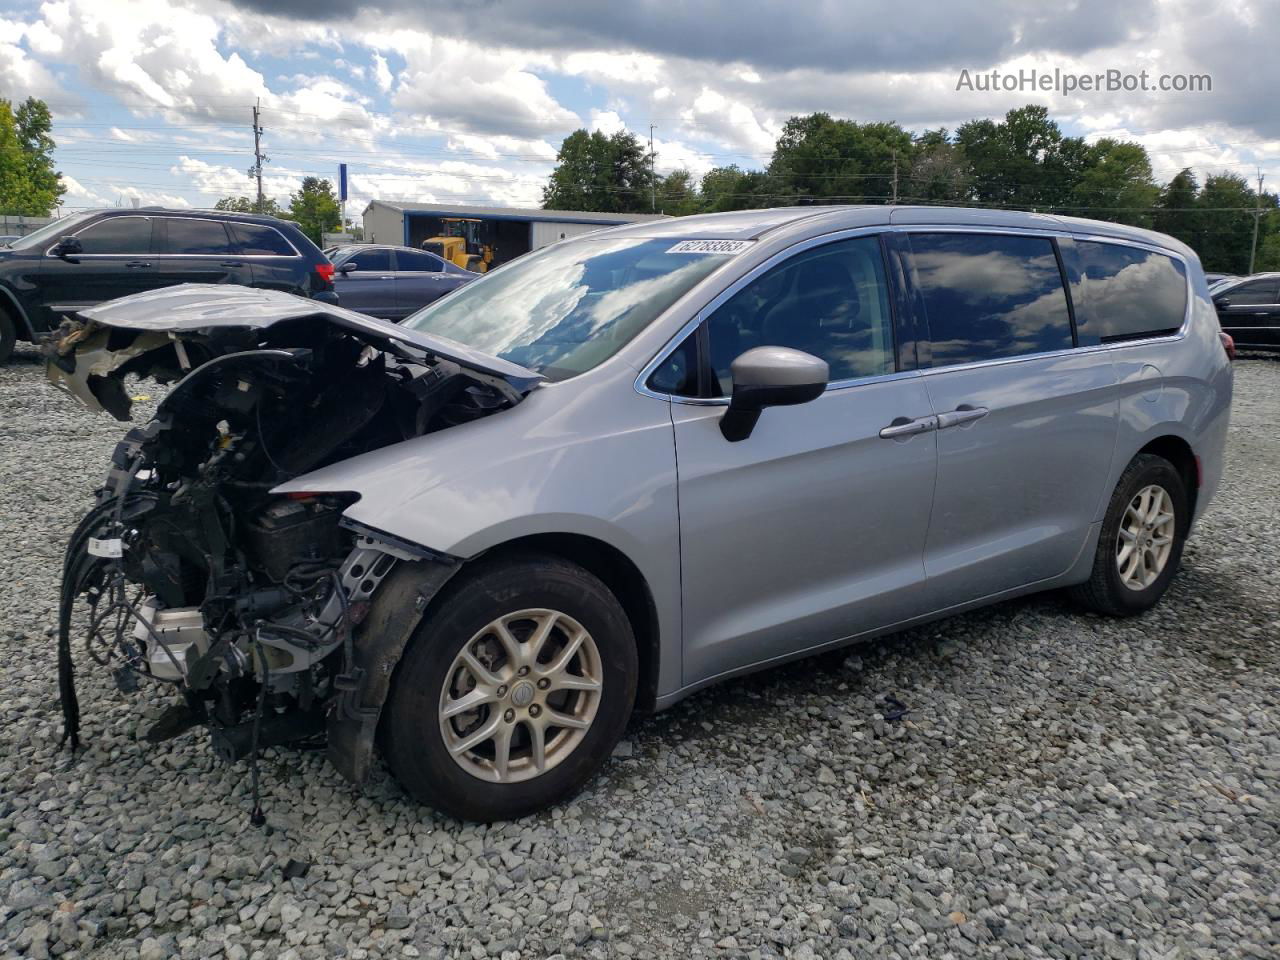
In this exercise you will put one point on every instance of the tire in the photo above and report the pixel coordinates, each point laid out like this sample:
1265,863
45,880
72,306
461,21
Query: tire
8,336
1106,590
431,676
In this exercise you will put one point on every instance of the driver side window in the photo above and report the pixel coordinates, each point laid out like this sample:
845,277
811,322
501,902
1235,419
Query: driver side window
830,301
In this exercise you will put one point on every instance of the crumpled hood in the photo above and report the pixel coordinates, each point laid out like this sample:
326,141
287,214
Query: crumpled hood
193,307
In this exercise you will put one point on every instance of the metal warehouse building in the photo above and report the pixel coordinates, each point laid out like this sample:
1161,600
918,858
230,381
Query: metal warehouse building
511,230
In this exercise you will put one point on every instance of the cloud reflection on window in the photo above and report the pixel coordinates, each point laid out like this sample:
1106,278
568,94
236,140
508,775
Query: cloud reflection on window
989,296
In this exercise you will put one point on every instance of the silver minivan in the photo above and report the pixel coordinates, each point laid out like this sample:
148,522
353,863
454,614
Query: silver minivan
627,466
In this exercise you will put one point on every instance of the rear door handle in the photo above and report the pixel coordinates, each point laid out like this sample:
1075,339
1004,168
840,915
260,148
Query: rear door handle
961,415
902,427
230,263
137,263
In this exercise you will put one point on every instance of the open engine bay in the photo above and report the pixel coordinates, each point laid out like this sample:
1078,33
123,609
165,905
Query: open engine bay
191,572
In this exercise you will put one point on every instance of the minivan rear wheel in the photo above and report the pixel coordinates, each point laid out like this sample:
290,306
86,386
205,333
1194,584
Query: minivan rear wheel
513,693
1141,542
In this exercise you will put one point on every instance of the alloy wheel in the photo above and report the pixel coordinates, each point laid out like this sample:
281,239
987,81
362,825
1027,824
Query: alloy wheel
520,695
1145,539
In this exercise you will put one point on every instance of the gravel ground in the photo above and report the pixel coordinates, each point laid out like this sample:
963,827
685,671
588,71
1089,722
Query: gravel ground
1063,785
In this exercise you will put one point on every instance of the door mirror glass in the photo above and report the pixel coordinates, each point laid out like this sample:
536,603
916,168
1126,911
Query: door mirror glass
770,377
68,247
348,267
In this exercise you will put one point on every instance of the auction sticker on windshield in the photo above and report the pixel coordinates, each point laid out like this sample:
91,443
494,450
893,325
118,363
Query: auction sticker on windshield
726,247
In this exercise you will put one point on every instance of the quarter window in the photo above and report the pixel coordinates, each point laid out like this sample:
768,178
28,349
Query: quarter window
831,301
678,372
196,237
123,235
1128,292
257,240
987,296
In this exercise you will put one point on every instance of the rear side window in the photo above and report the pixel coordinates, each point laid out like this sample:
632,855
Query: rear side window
123,235
196,237
987,296
257,240
830,301
1128,293
421,262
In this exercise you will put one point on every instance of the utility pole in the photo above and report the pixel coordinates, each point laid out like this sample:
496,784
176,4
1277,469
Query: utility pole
895,177
653,177
258,159
1257,215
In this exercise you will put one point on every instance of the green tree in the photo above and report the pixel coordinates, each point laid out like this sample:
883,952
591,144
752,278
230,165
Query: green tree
1116,183
731,188
678,194
1022,161
824,158
29,185
14,185
315,208
35,126
1225,215
1175,208
247,205
939,170
598,172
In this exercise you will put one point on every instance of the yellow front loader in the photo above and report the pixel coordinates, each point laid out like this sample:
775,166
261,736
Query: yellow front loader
459,243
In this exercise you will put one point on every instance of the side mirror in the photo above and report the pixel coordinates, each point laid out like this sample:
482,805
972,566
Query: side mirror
1222,302
68,247
347,267
770,377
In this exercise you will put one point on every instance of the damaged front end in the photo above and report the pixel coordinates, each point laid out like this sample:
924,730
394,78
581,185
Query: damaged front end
194,573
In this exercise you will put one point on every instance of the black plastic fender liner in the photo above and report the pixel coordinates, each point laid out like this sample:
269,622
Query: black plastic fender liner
394,615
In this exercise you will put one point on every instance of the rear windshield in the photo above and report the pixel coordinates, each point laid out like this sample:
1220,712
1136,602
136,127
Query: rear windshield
572,305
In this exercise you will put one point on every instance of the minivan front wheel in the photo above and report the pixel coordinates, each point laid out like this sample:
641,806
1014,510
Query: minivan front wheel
515,691
1141,542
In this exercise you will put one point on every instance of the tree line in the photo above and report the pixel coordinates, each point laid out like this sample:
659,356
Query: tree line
1022,162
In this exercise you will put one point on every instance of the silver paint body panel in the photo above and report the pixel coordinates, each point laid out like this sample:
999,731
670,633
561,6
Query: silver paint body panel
815,530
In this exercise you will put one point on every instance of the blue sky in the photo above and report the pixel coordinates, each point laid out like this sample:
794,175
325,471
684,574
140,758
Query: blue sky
468,104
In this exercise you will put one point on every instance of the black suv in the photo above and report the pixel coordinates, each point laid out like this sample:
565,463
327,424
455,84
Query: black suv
87,258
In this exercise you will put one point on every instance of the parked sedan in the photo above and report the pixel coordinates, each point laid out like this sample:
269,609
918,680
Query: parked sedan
1249,310
392,282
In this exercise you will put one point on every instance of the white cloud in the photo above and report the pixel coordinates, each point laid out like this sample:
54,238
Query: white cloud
607,122
381,73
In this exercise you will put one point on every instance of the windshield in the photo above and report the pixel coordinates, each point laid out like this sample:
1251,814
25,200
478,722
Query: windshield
49,233
572,305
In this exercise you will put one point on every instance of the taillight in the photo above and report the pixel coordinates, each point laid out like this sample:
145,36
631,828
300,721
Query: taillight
1228,344
325,272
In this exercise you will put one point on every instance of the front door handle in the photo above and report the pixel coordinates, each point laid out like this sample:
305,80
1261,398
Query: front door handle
961,415
137,263
903,427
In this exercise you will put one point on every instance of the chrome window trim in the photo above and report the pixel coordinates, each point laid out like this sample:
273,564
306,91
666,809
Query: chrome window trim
186,256
670,346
